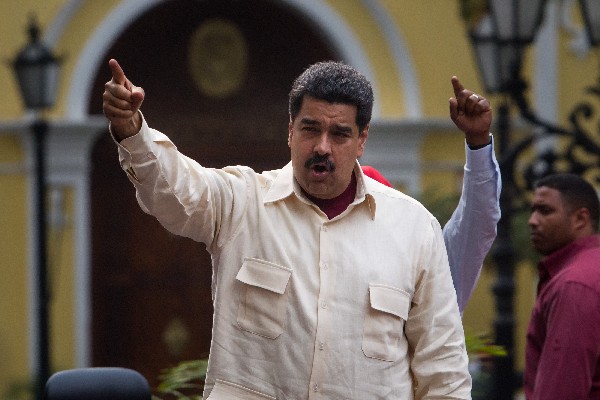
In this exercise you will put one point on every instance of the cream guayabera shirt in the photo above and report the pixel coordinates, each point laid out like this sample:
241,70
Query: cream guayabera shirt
358,307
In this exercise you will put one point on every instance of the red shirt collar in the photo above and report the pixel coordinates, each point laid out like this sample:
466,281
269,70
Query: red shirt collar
552,264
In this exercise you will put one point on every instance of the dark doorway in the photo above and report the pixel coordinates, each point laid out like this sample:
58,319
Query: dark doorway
151,295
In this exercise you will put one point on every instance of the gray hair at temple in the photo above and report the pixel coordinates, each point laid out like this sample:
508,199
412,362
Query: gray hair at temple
334,82
575,192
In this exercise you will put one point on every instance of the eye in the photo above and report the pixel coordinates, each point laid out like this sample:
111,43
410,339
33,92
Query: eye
545,210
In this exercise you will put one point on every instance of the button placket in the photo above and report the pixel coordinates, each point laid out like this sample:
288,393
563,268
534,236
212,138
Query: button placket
325,272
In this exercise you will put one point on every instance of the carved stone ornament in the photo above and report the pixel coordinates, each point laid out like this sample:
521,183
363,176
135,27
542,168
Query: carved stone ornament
218,58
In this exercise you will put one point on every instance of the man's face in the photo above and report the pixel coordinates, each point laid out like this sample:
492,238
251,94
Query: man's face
325,143
551,223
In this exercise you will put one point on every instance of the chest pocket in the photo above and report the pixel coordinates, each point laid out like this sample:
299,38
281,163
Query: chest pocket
263,299
383,329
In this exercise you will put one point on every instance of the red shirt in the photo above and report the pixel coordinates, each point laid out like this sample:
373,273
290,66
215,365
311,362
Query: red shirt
373,173
563,339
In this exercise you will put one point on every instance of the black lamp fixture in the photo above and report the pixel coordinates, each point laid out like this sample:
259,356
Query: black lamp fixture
499,37
500,31
37,71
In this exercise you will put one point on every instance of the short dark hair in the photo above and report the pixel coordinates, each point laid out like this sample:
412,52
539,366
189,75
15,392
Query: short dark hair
576,192
334,82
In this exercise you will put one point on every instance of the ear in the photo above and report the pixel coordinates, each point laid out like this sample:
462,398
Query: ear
290,132
580,219
362,141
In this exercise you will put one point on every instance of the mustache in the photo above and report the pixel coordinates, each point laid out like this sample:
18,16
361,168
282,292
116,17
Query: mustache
320,159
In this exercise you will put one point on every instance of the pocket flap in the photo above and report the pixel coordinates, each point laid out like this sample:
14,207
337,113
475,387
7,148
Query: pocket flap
390,300
224,390
264,274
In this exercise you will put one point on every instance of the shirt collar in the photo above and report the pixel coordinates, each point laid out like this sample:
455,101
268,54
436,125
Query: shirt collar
552,264
285,185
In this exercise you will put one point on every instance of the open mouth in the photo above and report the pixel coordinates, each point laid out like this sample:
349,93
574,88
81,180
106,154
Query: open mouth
320,171
320,168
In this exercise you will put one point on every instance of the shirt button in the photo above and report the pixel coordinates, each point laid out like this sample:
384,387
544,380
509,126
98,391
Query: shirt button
324,229
321,346
315,387
324,265
323,305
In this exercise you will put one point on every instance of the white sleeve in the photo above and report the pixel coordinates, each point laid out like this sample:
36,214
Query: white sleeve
439,361
471,230
186,198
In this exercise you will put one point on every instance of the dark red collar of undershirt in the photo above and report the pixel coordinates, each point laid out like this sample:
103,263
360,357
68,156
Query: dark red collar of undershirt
334,207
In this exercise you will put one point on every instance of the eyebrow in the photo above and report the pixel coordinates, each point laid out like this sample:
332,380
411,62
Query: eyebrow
341,128
309,121
344,129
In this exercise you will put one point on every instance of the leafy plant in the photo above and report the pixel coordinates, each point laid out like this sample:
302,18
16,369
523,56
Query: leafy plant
482,345
185,381
481,350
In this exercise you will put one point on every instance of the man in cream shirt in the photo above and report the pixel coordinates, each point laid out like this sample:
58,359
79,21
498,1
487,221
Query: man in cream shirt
326,284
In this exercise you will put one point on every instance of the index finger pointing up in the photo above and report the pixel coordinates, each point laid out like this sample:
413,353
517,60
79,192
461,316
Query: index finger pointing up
117,72
458,87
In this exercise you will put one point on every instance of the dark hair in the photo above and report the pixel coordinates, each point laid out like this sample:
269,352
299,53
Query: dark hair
576,192
334,82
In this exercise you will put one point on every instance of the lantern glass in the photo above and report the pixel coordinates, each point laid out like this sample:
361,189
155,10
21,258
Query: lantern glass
38,84
498,60
37,72
499,37
517,20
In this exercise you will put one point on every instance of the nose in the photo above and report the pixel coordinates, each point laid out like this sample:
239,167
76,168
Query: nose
533,221
323,145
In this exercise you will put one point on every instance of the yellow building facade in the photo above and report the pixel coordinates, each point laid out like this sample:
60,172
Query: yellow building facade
408,49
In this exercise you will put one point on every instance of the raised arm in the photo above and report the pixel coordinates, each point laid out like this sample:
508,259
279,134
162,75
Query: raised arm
471,230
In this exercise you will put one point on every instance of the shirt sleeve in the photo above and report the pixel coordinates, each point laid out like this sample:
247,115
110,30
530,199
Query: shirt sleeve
471,230
186,198
434,331
571,350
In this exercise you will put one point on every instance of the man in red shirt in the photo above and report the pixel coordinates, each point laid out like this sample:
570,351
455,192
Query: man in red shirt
563,339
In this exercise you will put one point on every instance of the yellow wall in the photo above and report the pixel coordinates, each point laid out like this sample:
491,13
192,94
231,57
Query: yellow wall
13,35
61,278
13,220
81,26
13,266
376,49
437,41
14,236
